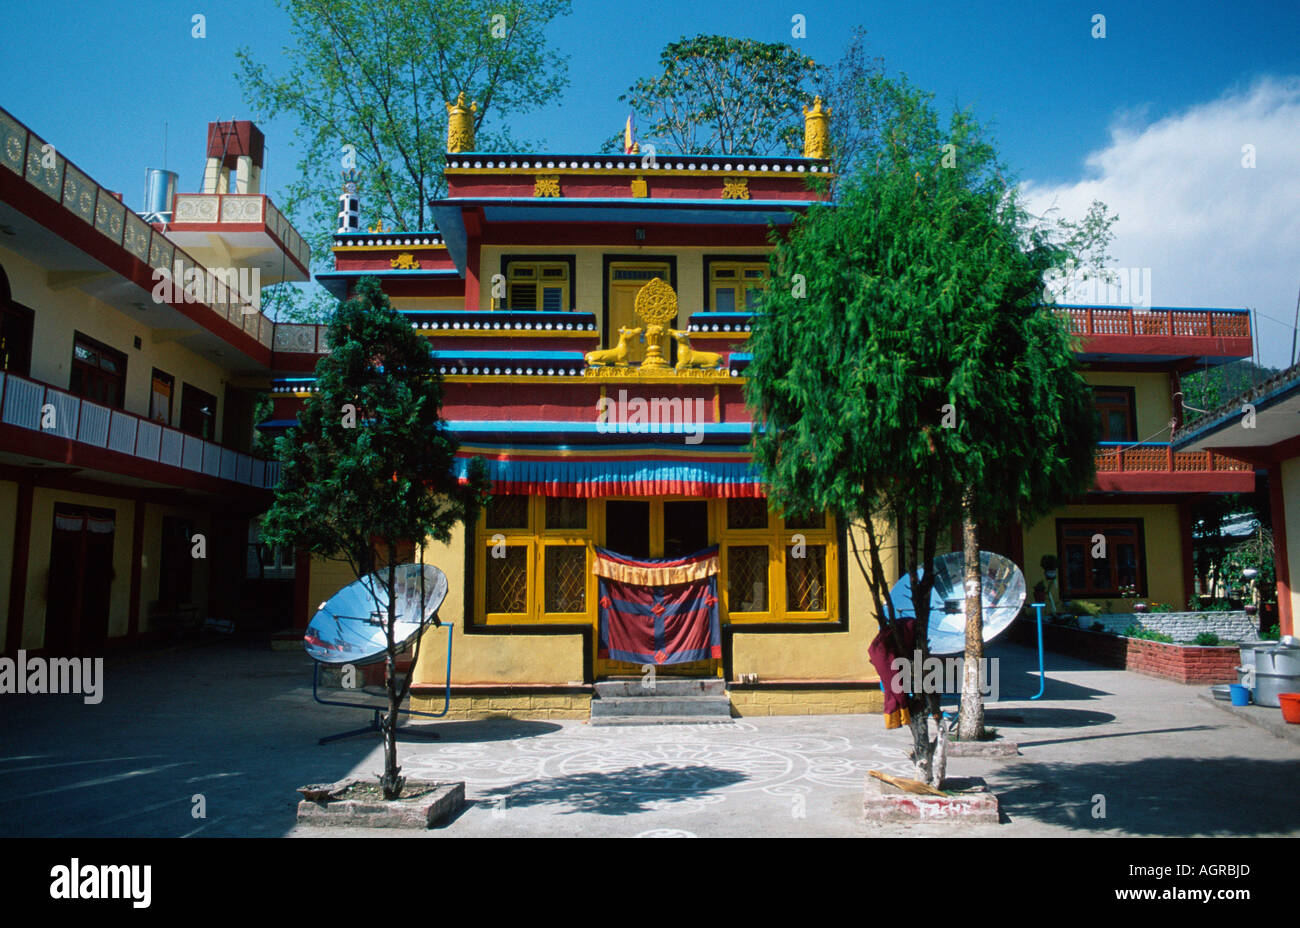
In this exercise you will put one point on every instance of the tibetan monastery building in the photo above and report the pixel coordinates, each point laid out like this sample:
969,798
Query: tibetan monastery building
538,289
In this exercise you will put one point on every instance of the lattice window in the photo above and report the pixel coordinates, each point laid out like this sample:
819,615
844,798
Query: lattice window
507,580
805,580
566,512
747,578
795,522
507,512
565,575
746,513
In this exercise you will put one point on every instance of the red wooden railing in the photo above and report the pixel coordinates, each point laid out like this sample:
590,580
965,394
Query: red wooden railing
1157,459
1128,320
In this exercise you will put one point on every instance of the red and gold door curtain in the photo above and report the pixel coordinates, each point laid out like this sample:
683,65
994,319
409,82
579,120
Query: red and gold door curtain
661,611
707,473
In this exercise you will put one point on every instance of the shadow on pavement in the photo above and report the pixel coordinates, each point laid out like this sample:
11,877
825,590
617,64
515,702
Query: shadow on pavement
615,792
1046,717
1172,796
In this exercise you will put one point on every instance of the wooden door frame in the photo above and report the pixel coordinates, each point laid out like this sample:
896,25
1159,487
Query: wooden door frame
606,264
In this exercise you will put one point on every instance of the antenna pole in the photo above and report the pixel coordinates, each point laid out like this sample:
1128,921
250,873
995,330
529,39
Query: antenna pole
1294,325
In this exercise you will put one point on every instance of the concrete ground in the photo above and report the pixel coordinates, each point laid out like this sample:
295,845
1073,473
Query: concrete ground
233,729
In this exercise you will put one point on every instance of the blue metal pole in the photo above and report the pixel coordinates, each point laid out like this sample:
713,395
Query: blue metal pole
1042,676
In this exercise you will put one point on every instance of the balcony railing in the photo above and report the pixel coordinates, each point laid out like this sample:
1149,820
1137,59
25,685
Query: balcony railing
1160,458
26,154
1126,320
240,209
80,420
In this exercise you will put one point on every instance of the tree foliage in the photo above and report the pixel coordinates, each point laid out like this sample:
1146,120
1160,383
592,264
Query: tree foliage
369,465
724,96
377,76
911,367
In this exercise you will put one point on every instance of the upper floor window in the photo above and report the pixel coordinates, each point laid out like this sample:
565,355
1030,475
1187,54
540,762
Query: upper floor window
532,285
98,372
735,286
15,339
1102,558
1116,413
198,413
160,397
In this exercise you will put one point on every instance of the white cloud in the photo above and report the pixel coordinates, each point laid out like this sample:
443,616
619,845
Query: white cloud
1213,232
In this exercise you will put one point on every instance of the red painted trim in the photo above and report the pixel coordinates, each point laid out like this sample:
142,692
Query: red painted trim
137,553
293,362
1281,563
66,451
50,213
38,477
18,569
620,234
1242,481
1189,345
576,187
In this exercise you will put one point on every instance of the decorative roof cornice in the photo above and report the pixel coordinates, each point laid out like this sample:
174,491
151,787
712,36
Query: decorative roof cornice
737,165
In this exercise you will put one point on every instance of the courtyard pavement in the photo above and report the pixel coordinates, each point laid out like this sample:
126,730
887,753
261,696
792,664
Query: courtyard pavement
236,725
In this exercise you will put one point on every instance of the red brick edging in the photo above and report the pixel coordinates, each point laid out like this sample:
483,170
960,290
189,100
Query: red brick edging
1183,663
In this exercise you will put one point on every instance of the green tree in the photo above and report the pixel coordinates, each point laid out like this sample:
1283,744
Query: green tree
723,96
910,375
369,466
376,77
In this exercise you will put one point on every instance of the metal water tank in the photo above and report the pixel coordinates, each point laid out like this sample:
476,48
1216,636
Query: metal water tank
159,190
1277,670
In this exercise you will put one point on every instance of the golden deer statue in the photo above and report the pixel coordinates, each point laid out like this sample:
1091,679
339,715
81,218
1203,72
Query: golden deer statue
688,357
616,356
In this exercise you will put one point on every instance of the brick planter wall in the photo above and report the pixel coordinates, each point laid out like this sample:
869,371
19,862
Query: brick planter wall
1179,662
1181,626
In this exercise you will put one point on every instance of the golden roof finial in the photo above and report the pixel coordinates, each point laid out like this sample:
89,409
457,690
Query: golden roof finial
816,131
460,125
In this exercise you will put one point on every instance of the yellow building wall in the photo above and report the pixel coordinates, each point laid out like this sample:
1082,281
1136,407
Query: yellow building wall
63,312
1162,541
39,567
1152,395
1291,507
8,514
589,274
557,659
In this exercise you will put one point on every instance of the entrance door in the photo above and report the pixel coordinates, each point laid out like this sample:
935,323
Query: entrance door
657,528
627,527
625,281
80,580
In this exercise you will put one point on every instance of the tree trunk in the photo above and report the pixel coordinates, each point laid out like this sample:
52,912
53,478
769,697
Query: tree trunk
391,782
970,725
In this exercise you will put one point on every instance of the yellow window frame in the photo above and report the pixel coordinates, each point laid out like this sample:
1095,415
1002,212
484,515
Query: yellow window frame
738,285
536,538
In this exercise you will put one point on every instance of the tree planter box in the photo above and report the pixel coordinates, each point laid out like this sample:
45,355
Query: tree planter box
969,803
1184,663
432,802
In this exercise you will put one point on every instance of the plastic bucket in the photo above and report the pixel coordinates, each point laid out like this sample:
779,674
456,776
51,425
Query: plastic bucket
1239,695
1290,707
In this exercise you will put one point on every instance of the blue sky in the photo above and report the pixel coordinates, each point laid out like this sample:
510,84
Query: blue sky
1073,115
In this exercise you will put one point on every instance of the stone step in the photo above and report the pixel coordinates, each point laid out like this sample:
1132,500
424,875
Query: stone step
663,686
712,706
660,720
